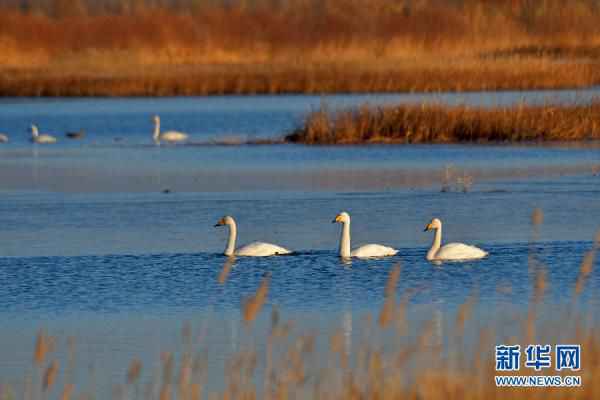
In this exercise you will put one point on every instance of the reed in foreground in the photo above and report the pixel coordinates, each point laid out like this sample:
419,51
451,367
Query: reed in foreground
434,123
385,361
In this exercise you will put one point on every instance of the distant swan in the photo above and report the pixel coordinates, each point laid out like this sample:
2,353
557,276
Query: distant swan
37,138
451,251
366,251
3,138
169,136
256,249
75,135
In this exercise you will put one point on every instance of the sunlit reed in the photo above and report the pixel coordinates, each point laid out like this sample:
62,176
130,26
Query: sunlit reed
158,48
435,123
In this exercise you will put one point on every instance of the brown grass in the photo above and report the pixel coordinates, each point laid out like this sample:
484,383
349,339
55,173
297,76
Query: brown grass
254,303
432,123
387,310
50,375
119,47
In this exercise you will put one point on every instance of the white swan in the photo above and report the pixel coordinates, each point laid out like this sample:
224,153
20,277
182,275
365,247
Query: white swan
3,138
256,249
451,251
169,136
42,139
366,251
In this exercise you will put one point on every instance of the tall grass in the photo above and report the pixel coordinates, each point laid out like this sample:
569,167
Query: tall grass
127,47
434,123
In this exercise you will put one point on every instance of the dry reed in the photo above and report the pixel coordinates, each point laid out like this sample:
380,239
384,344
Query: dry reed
433,123
134,371
121,47
253,304
50,375
67,391
41,348
387,311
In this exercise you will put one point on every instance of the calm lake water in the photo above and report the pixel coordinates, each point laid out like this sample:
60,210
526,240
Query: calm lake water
91,247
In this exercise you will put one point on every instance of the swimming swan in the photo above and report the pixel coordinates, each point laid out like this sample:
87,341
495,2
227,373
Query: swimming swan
451,251
366,251
256,249
37,138
169,136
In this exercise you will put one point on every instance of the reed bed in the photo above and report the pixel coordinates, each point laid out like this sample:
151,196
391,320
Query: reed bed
305,78
435,123
459,365
159,48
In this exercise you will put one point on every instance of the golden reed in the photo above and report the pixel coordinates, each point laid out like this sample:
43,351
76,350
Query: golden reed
436,123
158,48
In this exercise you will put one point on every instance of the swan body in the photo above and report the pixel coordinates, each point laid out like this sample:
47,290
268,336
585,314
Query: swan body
42,139
3,138
365,251
450,251
255,249
168,136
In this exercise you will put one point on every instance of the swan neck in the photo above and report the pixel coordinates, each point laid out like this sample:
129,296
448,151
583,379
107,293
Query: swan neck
435,246
156,134
230,249
34,132
345,240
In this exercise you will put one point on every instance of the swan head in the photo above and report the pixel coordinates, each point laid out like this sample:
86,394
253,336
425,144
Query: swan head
226,220
342,217
434,224
34,130
156,119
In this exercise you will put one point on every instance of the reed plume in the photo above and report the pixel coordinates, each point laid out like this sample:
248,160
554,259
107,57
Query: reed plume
253,304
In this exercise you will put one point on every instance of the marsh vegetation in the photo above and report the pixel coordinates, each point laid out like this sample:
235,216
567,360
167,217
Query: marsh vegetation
438,123
120,47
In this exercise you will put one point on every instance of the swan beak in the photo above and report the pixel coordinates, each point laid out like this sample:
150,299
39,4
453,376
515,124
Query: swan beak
336,219
221,222
428,227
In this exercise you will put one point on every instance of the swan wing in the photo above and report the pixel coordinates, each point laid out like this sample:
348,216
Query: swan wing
173,136
459,251
373,250
260,249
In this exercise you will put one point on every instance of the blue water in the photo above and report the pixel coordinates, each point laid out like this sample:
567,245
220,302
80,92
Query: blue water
206,118
39,287
91,247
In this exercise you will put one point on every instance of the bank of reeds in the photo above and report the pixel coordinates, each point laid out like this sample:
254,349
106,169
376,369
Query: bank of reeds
123,47
289,78
435,123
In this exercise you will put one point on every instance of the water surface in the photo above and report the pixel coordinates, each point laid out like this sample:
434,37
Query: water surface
93,248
